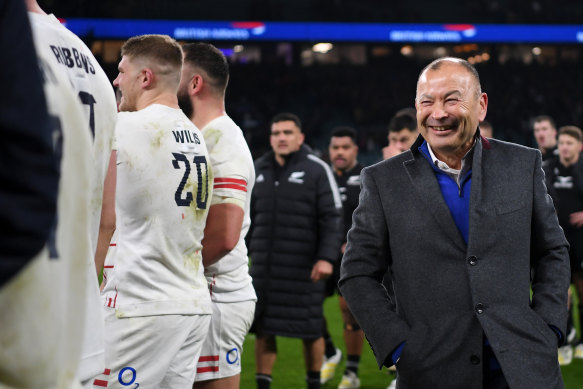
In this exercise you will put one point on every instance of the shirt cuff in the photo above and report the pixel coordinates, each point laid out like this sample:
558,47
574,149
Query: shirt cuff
397,353
558,333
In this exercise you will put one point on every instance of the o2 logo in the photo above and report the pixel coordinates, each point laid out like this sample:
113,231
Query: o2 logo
233,356
127,376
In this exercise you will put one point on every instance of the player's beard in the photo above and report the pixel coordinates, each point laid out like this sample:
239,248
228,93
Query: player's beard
185,104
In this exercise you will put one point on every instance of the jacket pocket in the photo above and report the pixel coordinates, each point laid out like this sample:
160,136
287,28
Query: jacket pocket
542,328
510,206
410,352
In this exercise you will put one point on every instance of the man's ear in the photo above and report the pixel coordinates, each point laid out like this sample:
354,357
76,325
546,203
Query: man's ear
302,138
147,78
196,84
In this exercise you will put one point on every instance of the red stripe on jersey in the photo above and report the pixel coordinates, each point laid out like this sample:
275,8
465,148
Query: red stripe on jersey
100,383
207,358
230,186
106,372
112,244
115,298
207,369
211,284
231,180
109,302
108,267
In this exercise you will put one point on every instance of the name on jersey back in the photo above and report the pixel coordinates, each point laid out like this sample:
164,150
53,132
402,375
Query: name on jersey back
185,136
71,57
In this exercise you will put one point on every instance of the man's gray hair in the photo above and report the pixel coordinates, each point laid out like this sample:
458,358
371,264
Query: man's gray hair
436,65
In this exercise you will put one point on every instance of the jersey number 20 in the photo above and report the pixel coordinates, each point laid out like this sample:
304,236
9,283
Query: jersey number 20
199,161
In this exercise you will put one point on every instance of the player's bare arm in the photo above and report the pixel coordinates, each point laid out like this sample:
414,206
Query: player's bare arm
107,223
222,231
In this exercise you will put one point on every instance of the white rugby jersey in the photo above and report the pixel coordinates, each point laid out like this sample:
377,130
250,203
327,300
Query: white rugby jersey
161,203
234,177
69,55
67,52
43,306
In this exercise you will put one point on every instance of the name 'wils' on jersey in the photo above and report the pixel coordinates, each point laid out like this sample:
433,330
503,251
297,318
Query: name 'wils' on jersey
185,136
71,57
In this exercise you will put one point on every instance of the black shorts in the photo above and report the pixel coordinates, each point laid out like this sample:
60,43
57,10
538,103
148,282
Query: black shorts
332,281
575,239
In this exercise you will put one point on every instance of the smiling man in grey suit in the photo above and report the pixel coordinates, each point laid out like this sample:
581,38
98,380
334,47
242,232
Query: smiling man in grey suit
466,229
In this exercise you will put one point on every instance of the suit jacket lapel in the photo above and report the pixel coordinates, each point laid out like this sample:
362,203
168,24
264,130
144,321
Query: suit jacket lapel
476,191
425,183
481,223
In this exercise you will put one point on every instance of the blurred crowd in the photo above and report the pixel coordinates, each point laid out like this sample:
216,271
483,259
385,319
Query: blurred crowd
367,96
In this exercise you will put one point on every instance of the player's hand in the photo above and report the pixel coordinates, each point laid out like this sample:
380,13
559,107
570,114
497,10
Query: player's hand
576,219
321,270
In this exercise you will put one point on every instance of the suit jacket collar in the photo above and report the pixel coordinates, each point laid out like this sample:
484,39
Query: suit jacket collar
423,178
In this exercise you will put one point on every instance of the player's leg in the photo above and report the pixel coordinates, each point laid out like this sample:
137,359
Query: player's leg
577,279
265,355
332,354
571,329
182,368
353,334
330,348
219,366
354,339
313,357
566,352
578,282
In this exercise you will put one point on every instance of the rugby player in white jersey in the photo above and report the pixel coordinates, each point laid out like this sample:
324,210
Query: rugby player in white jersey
156,302
71,57
201,96
42,306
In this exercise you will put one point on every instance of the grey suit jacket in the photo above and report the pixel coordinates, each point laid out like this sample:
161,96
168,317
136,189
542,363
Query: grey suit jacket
449,294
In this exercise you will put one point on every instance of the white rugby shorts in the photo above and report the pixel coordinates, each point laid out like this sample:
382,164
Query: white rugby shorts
222,348
151,351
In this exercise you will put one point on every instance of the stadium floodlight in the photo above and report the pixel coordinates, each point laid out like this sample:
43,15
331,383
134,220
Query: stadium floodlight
322,47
